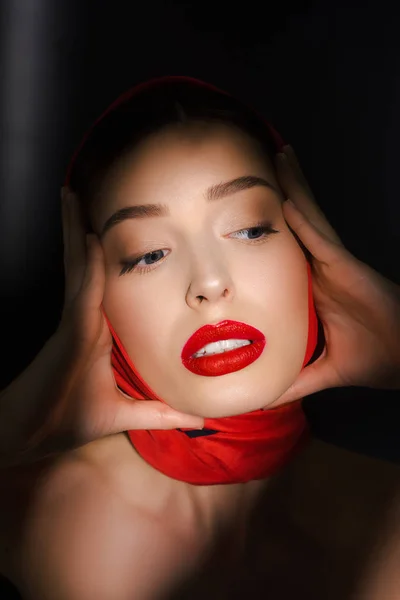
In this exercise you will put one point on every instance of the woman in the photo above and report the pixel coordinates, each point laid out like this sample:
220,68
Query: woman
143,503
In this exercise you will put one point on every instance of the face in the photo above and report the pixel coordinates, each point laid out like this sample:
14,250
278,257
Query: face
200,259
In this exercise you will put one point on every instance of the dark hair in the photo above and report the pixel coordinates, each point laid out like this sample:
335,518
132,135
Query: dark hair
171,102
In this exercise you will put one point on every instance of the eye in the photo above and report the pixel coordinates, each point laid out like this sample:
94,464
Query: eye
255,233
143,263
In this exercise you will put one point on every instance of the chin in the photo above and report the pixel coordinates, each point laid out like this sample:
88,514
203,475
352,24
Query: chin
235,394
228,407
259,386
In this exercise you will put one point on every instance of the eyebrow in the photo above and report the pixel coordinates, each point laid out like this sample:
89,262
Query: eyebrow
215,192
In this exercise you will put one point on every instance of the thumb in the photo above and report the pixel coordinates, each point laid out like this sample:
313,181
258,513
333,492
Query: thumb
316,241
319,376
149,414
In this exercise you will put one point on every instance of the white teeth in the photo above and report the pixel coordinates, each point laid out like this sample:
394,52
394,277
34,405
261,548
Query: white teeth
221,346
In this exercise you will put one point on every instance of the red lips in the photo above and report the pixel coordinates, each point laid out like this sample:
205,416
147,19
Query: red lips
225,362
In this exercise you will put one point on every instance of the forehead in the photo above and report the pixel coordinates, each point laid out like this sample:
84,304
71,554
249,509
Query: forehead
180,160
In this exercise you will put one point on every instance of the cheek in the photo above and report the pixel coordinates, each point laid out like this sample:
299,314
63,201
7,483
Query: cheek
289,302
135,316
289,294
278,284
278,275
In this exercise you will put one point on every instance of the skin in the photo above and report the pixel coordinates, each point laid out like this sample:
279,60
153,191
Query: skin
217,271
101,523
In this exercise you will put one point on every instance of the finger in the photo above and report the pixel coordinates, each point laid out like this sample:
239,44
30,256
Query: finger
75,268
92,289
295,186
319,376
85,310
148,414
294,168
319,244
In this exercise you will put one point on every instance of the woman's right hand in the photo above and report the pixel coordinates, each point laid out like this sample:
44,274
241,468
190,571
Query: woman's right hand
68,396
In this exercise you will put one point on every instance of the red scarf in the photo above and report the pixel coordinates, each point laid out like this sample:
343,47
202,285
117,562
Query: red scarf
235,449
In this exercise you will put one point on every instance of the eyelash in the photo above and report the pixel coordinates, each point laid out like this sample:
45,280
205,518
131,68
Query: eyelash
131,265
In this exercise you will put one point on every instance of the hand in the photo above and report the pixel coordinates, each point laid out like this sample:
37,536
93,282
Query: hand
69,394
359,308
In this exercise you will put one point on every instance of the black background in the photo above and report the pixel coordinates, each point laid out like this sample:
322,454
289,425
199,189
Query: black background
325,73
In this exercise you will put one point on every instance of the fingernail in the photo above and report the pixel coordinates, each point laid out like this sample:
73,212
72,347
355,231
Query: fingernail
288,150
292,158
282,158
291,203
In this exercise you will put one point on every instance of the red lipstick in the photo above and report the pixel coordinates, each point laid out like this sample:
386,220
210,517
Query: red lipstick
214,365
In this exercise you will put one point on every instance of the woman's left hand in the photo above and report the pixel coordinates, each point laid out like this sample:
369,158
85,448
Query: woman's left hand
359,308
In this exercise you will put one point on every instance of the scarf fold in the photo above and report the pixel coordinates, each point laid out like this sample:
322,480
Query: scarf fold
234,449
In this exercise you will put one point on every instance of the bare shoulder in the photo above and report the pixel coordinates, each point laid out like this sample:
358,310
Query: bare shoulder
339,495
22,491
79,539
74,537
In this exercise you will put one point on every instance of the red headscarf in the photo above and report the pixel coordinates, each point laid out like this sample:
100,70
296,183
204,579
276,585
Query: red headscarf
235,449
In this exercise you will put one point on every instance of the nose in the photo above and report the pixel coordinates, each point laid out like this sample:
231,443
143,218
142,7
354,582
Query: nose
210,284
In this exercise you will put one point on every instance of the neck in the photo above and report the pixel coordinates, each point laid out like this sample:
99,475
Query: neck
222,503
206,509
